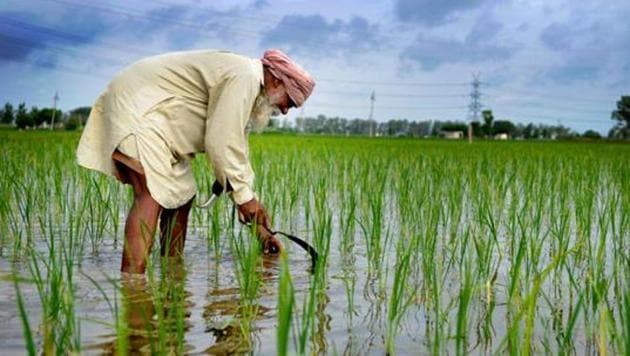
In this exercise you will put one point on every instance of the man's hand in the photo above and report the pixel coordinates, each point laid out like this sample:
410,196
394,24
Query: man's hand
270,244
253,212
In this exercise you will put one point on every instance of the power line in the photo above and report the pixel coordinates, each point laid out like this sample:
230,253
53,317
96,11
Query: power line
262,20
219,28
54,49
568,109
504,90
555,118
141,16
408,96
75,72
76,38
71,37
423,84
338,105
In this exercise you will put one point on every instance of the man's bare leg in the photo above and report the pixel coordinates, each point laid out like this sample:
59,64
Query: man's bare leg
141,222
173,225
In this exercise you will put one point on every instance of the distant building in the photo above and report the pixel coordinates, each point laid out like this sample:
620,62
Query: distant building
501,136
453,135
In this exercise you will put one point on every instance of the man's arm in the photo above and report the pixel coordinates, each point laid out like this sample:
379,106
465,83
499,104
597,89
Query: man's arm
226,136
227,149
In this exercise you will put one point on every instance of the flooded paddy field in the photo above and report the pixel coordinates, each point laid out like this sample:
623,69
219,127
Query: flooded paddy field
426,247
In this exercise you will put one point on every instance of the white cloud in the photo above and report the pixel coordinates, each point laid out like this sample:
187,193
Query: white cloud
533,55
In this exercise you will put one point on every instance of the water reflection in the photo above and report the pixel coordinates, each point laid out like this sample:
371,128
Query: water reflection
153,313
232,321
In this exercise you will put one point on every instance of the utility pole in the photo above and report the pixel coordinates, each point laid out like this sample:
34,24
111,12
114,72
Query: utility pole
55,98
372,100
474,108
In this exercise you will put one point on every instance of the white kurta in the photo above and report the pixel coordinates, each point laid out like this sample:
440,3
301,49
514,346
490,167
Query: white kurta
176,105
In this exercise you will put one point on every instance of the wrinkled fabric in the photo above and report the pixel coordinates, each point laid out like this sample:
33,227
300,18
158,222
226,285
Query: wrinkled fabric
176,105
298,82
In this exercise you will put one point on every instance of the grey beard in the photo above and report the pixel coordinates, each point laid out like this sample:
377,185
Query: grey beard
262,113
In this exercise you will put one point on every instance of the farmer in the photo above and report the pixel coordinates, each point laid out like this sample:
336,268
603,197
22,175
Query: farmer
156,114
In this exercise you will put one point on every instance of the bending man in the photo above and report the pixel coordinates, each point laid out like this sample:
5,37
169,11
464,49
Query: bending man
156,114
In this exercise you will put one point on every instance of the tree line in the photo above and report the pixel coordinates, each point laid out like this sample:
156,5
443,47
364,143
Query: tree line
427,128
487,128
34,117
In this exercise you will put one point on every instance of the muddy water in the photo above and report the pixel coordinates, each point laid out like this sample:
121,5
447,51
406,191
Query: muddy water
211,306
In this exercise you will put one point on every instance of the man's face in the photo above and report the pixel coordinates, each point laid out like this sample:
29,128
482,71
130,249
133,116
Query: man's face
279,98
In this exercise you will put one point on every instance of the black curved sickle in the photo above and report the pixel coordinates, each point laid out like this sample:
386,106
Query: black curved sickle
217,189
303,244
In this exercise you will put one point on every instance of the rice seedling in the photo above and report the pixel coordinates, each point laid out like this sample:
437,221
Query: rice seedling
426,247
26,327
286,300
400,295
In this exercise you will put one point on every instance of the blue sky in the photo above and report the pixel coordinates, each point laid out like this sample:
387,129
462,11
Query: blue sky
550,62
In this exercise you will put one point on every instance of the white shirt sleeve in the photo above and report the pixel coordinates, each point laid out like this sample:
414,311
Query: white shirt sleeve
226,135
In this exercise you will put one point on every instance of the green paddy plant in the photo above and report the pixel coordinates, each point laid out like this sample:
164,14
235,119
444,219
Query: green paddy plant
349,279
513,247
246,253
159,305
372,222
400,297
31,349
286,301
466,292
347,220
322,227
625,321
97,205
215,231
52,272
306,322
120,325
246,250
24,200
319,337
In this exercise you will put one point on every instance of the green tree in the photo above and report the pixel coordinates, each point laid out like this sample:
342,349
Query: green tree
622,116
504,126
592,134
476,129
72,123
488,118
7,114
35,116
45,115
22,118
530,131
455,126
83,112
80,115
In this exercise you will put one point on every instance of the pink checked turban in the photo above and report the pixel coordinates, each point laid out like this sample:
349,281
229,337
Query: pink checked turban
297,81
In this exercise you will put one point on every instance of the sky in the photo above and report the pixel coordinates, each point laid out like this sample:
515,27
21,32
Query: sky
552,62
